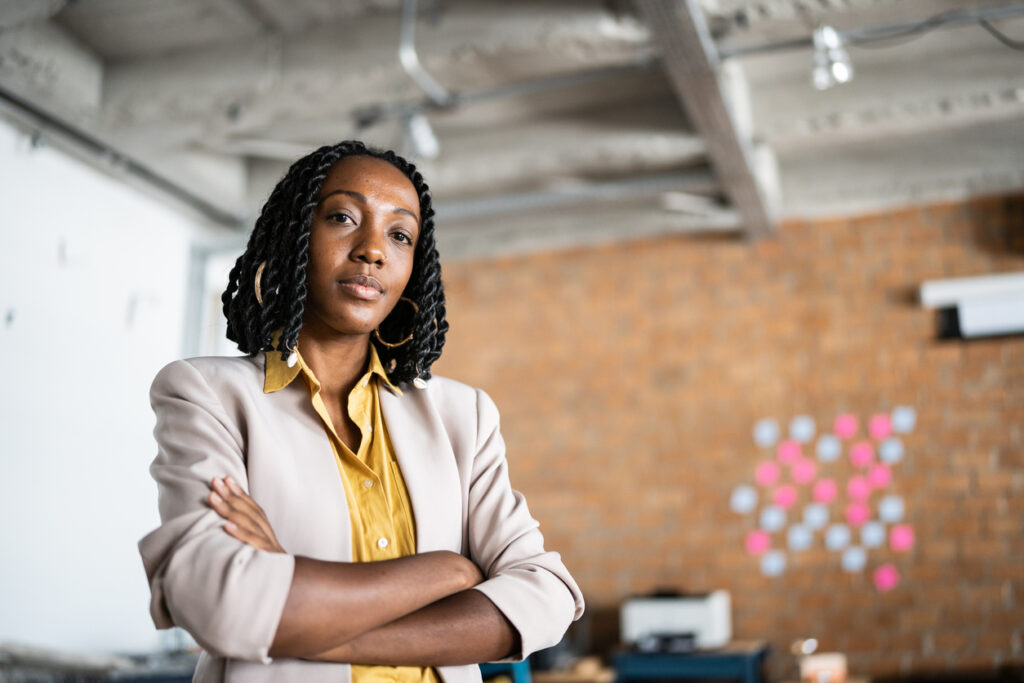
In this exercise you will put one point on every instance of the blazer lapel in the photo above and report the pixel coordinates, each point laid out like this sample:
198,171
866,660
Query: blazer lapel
425,455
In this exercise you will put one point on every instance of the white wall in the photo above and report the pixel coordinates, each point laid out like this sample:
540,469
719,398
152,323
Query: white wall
93,280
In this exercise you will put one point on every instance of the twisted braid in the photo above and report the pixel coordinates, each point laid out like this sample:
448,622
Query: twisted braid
281,238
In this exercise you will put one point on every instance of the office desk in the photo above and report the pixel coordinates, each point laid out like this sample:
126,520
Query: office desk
739,660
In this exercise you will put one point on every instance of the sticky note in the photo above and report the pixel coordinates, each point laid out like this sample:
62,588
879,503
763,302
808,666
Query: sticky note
862,454
773,518
879,426
743,499
901,538
788,451
829,448
799,537
815,515
837,537
801,428
758,542
903,419
858,488
854,559
766,432
857,514
824,490
803,471
784,496
845,426
773,563
766,473
890,451
879,476
872,535
886,578
890,510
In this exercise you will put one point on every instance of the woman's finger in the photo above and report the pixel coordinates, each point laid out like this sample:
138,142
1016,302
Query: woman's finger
256,541
237,498
238,516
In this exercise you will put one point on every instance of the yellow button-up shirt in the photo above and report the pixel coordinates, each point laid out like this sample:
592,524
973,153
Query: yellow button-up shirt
383,527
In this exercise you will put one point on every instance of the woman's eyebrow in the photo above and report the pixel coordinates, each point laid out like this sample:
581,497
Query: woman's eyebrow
362,198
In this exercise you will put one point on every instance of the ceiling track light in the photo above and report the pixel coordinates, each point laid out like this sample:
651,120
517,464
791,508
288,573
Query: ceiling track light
832,64
420,137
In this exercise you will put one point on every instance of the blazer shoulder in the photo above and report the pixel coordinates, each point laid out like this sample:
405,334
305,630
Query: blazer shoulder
217,373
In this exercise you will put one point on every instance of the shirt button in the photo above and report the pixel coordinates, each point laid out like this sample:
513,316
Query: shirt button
368,484
369,429
382,543
366,380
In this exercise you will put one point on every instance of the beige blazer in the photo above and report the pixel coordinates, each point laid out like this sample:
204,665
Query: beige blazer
213,419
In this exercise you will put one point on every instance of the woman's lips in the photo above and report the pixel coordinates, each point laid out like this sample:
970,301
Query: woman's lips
363,287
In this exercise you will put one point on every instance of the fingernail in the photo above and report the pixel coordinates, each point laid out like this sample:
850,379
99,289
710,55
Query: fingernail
214,498
230,525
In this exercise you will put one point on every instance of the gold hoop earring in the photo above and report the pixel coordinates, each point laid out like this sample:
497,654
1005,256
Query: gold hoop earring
259,276
415,310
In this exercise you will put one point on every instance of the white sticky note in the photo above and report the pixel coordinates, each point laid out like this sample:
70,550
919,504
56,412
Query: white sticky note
743,499
837,537
773,518
801,428
773,563
829,448
854,559
766,432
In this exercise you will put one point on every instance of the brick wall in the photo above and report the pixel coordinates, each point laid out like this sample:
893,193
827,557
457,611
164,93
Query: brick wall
629,378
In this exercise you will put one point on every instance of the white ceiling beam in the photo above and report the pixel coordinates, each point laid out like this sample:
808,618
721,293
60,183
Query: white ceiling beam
273,80
44,63
17,12
691,61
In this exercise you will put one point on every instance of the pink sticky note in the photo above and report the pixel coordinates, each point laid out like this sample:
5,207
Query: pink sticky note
845,426
788,451
758,542
879,426
825,490
858,488
857,514
886,578
767,473
803,471
901,537
879,476
784,496
862,454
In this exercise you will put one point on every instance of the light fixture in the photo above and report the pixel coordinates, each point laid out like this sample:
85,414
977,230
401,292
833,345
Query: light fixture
984,306
831,61
420,137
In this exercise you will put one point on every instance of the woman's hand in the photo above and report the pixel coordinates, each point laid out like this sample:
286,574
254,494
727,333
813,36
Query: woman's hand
246,520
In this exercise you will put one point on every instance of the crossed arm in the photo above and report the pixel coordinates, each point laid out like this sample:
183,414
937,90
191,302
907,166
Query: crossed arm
417,610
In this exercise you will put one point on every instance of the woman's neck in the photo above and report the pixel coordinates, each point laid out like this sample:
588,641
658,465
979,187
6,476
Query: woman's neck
337,360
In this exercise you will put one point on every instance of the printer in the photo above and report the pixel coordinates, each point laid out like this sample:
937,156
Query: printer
676,623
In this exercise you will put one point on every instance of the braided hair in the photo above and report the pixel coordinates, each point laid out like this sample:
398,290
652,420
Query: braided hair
281,239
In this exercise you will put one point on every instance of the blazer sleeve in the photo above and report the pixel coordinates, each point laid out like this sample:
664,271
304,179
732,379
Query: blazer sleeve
228,595
529,585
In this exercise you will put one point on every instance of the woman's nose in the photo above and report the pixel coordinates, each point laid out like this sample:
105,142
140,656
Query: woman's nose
370,247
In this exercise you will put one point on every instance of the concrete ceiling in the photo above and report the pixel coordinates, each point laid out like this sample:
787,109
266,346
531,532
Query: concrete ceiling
628,125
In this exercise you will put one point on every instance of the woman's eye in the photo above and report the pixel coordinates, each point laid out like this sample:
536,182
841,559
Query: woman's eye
339,218
403,237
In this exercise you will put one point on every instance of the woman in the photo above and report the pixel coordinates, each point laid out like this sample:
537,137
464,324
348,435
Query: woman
324,501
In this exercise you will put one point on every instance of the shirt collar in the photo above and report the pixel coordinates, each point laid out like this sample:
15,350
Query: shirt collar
278,375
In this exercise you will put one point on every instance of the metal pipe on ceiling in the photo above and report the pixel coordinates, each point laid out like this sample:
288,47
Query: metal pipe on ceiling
882,32
37,118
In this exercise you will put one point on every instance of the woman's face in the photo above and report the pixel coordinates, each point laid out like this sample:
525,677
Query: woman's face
361,246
